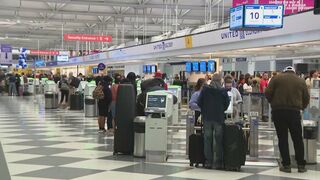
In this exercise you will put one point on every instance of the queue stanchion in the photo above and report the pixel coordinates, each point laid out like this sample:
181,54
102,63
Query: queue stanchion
254,134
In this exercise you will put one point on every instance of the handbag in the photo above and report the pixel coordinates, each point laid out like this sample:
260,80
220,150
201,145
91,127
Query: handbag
98,92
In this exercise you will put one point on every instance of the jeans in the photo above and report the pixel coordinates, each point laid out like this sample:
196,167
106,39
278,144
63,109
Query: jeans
285,120
213,129
12,89
64,93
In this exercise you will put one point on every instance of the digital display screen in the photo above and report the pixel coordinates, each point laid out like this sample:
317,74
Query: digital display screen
153,69
188,67
63,58
211,66
203,66
236,17
148,69
263,16
157,101
256,16
195,66
144,68
95,70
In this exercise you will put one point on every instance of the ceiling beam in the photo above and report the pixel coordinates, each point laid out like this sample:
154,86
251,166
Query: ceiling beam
143,4
85,13
66,21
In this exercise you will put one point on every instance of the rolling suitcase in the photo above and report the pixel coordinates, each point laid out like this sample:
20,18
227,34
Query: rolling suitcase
125,114
234,147
196,150
76,101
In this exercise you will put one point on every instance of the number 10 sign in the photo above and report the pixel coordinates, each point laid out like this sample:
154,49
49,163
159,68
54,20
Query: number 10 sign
264,16
256,17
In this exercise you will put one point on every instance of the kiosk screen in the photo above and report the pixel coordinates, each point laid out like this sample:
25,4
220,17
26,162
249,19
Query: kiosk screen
157,101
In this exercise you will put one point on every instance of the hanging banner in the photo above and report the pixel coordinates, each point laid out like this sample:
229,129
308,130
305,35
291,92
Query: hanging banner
291,6
6,54
87,38
241,2
44,52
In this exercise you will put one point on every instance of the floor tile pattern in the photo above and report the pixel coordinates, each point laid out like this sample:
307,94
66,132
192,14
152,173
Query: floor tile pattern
41,144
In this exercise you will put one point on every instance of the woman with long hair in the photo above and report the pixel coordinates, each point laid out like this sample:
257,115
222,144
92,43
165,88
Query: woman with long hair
194,98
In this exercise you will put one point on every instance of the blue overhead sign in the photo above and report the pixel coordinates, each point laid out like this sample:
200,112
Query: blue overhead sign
257,17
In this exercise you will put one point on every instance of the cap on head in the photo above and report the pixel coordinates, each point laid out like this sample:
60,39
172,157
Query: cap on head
289,69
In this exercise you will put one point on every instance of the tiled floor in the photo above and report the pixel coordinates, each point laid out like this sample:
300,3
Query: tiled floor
44,144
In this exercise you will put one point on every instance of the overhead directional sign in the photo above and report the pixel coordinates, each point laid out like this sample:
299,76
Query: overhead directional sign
256,17
87,38
44,52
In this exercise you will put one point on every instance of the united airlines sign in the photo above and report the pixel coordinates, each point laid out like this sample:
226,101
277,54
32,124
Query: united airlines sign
163,46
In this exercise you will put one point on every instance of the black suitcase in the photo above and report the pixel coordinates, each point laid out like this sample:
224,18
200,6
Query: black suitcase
196,150
235,147
76,101
125,114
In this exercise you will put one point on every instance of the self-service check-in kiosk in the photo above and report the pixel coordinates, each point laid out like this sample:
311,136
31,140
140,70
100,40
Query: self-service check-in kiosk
90,104
159,105
82,86
51,95
175,90
30,85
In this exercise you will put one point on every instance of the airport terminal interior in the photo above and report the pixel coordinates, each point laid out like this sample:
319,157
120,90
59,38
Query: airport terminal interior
159,89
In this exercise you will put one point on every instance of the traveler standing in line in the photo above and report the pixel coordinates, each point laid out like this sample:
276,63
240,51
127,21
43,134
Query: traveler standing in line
313,76
213,101
288,95
2,81
104,104
131,79
274,73
247,88
64,89
236,96
18,83
12,85
114,92
241,83
264,82
234,79
194,99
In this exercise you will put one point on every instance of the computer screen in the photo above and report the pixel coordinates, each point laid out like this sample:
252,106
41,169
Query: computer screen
148,69
188,67
156,101
203,66
195,66
153,69
211,66
144,68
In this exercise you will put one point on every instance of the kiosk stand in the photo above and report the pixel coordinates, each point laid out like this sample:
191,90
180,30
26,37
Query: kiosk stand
90,104
175,90
51,95
159,105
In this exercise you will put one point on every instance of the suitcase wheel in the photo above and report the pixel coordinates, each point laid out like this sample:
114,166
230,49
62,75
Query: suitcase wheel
197,165
191,164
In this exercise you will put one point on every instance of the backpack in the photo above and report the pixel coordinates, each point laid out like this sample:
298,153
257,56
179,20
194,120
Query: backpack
64,86
75,82
98,92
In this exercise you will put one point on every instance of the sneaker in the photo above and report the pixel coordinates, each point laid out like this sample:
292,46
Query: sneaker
302,169
286,169
208,166
102,131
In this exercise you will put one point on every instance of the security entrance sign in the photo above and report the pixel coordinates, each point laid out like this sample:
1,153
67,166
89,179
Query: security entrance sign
6,54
